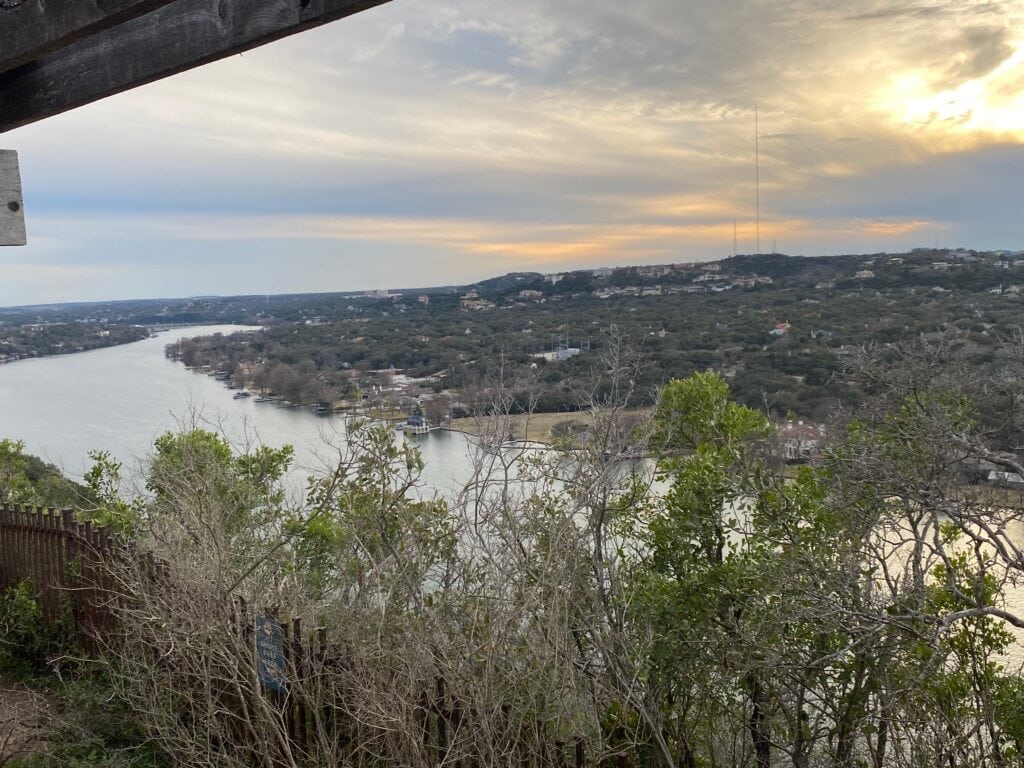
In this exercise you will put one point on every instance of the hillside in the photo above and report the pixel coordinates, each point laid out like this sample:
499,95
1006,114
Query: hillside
778,327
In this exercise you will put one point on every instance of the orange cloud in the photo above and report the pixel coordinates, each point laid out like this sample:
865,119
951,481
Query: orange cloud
893,228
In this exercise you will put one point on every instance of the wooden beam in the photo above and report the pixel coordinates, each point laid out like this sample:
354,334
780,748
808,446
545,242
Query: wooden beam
12,210
171,39
34,28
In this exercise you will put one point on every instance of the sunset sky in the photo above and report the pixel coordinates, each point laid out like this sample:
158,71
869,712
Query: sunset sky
427,142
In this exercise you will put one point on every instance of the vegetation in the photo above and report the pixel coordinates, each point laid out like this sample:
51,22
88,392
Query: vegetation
705,610
729,316
30,481
707,607
21,341
782,344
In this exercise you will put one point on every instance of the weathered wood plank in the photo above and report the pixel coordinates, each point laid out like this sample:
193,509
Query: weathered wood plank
172,39
37,27
12,210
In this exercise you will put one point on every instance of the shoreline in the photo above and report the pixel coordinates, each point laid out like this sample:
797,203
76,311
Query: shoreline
541,429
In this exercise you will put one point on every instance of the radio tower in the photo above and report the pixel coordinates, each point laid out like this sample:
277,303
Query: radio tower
757,183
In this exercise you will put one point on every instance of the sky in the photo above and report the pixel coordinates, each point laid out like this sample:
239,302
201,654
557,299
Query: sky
429,142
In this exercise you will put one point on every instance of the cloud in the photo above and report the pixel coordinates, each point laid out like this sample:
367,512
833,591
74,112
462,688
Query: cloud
540,133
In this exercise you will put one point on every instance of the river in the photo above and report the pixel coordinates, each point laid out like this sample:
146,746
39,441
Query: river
119,399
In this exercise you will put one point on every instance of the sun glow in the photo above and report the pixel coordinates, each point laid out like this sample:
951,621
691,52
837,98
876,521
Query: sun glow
992,104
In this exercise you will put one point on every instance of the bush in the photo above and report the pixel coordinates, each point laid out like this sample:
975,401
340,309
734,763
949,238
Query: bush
27,641
92,728
22,632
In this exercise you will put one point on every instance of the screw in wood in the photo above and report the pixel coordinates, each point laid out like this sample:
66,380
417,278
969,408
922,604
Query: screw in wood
14,206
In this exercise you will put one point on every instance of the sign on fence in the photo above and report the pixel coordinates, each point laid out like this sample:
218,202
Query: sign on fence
271,667
12,212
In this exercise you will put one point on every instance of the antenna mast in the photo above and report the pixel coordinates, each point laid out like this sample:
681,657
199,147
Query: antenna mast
757,182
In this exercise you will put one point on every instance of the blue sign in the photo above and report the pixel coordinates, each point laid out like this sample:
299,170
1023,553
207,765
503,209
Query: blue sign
271,667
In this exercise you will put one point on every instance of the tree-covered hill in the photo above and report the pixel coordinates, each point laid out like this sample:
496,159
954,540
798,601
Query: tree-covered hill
779,328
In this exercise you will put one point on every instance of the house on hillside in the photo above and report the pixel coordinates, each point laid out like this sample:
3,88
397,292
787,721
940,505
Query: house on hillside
559,355
708,277
799,441
1006,479
654,270
471,300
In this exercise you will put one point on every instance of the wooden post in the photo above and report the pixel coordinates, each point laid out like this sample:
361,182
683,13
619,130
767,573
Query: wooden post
70,565
299,666
442,722
12,209
424,715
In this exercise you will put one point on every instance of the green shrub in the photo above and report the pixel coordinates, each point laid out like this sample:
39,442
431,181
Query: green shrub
95,729
27,641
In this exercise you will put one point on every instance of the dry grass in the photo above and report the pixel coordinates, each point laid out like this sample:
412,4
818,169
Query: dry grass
537,427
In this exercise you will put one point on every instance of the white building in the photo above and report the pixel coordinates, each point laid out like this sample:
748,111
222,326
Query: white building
559,355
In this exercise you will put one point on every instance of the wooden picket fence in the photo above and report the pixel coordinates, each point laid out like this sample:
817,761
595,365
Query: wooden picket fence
440,716
63,560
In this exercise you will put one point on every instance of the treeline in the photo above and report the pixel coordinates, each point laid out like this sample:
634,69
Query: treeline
39,340
246,359
780,345
29,481
854,613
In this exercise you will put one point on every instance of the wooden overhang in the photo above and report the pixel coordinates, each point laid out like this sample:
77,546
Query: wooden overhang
56,55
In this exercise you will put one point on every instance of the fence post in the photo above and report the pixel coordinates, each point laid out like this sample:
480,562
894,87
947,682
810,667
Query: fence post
560,760
298,687
456,722
425,719
442,723
71,563
50,554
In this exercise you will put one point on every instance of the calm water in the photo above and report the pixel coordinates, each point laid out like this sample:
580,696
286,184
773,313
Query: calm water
121,398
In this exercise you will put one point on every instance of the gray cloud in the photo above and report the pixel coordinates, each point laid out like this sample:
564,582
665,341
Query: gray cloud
509,120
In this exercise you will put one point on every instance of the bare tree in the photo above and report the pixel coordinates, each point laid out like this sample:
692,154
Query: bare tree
654,589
